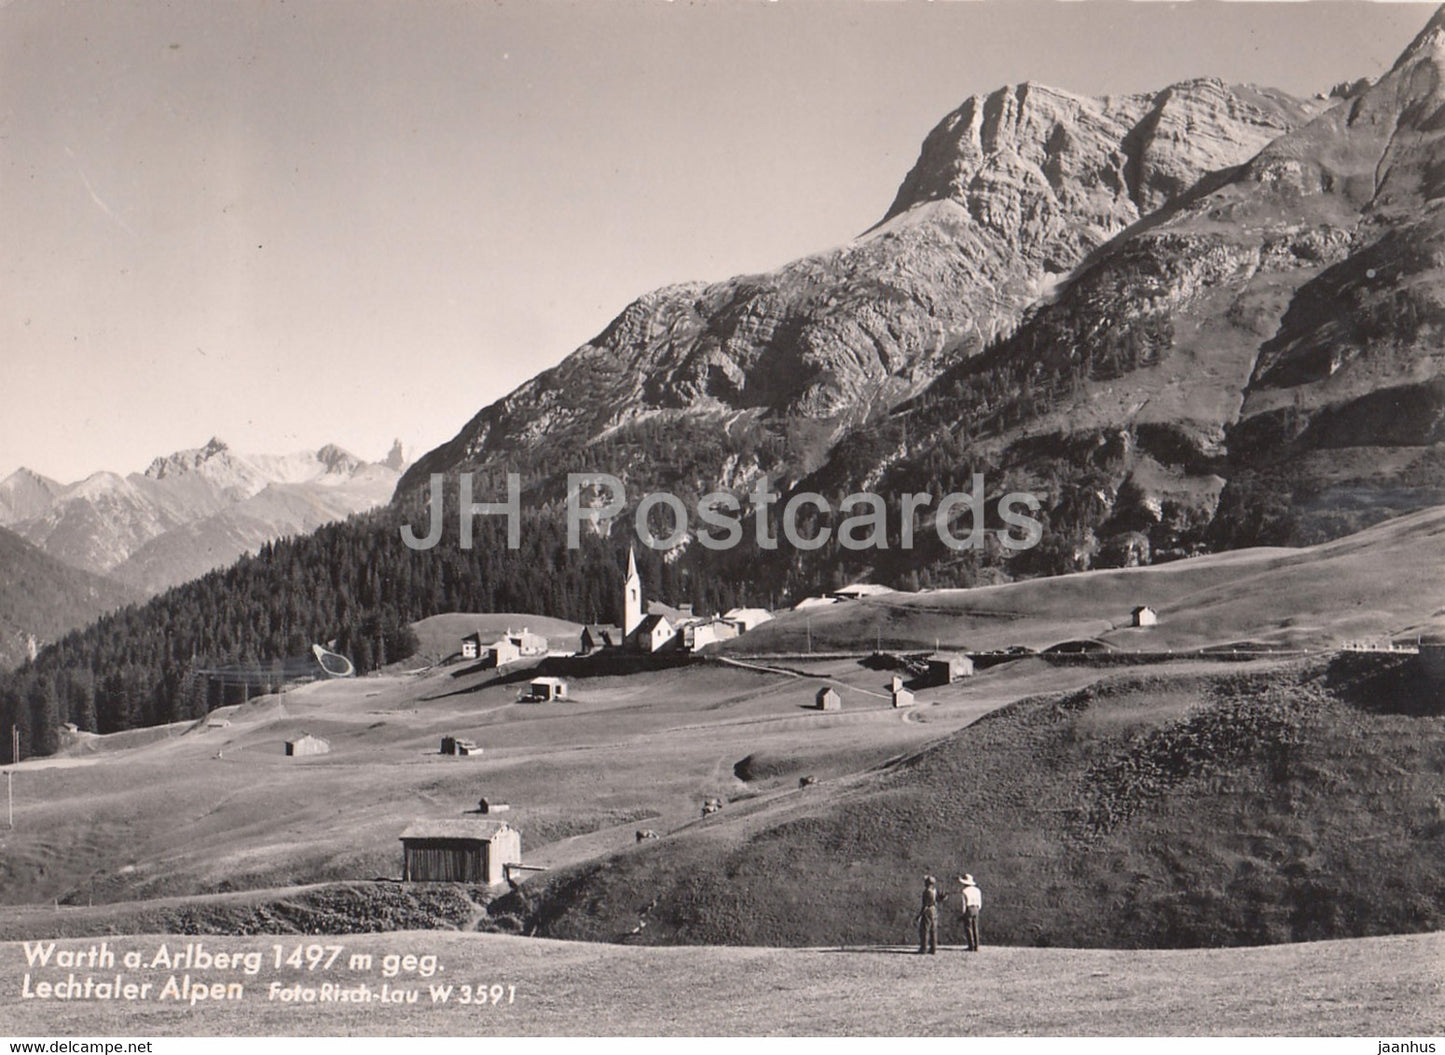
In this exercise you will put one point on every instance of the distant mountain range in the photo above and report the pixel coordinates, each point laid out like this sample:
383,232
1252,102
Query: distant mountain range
190,511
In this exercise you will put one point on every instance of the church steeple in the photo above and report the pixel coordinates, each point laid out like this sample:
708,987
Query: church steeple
631,596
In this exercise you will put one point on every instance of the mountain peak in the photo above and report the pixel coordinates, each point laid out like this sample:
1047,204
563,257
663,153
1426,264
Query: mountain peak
187,460
396,457
24,474
26,493
338,459
1431,37
1033,161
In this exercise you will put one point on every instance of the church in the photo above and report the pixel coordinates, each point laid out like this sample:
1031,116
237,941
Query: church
657,627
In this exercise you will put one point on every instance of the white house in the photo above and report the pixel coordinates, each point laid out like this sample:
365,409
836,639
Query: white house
860,589
653,634
901,696
747,618
698,635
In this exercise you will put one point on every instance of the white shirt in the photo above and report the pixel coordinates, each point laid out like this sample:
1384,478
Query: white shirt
972,896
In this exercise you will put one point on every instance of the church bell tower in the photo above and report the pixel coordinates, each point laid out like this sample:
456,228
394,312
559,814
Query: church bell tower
631,596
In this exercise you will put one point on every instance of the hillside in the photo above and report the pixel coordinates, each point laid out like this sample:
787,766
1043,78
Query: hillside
1381,584
644,747
439,636
41,598
1144,811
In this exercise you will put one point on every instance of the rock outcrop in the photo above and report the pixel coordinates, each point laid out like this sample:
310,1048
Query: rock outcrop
1260,361
1010,192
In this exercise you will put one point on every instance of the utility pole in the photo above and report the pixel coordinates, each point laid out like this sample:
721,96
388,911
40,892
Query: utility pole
10,777
809,625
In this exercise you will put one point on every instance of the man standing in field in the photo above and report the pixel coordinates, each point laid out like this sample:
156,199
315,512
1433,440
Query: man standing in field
928,917
972,904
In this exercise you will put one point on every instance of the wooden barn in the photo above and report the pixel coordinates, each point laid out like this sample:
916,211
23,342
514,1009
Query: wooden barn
828,700
542,690
308,745
945,668
1143,616
459,851
597,636
452,745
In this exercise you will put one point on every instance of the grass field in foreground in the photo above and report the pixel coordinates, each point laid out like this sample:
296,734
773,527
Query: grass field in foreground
1392,986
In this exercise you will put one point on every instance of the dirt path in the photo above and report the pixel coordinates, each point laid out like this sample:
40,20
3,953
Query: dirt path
801,674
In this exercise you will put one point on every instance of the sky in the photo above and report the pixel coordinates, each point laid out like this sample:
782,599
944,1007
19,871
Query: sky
287,223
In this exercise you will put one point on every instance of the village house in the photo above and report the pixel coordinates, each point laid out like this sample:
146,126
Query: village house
947,667
828,700
699,634
746,619
451,745
1143,616
653,634
676,614
472,646
527,643
859,590
500,652
459,851
901,696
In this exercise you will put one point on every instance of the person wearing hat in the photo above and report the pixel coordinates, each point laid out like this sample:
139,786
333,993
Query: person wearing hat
928,917
972,903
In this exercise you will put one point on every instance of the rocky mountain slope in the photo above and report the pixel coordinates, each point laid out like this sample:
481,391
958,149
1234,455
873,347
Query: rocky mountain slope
190,511
41,598
763,372
1257,362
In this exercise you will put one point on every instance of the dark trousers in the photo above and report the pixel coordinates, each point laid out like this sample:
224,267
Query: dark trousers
928,932
970,928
